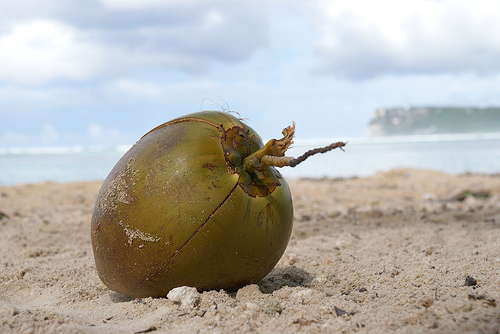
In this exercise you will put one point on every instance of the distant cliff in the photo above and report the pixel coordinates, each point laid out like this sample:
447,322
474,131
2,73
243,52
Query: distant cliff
427,120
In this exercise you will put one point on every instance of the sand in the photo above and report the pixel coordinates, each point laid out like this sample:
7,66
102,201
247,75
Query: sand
405,251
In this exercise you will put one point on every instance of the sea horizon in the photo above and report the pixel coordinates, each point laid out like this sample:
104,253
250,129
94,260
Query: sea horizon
297,142
363,156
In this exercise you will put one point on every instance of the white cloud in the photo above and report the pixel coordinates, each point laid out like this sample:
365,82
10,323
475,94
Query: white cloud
145,90
369,38
148,4
78,63
89,40
36,51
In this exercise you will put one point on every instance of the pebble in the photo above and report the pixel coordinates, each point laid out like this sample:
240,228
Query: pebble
470,281
321,279
187,296
292,258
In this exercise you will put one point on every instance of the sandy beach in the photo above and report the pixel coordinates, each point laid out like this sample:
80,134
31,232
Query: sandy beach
404,251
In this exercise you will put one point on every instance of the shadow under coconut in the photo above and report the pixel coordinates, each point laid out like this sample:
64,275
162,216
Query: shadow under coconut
117,297
287,276
278,278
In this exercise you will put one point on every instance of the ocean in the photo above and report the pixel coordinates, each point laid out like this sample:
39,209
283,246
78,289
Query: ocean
456,154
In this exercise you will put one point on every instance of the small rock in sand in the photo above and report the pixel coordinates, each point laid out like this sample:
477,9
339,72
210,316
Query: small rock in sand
188,297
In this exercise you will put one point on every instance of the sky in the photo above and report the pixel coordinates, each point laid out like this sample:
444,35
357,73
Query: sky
105,72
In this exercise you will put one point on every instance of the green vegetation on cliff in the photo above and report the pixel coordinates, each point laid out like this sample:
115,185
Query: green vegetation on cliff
427,120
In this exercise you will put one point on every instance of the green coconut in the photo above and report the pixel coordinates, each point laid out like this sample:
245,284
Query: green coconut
195,202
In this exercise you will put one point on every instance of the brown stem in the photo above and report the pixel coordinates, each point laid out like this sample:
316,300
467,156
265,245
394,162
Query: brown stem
273,153
295,162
